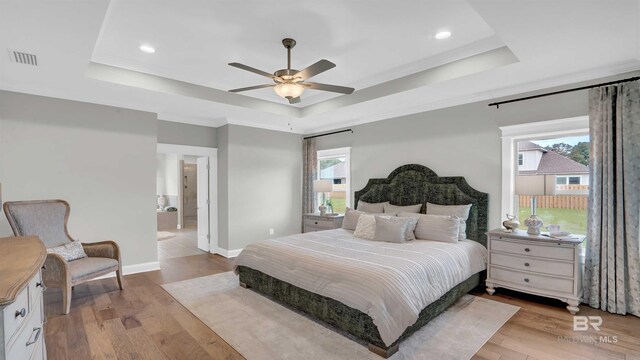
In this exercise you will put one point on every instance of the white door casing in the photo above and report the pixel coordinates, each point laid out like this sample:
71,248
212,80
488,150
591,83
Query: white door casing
212,154
203,203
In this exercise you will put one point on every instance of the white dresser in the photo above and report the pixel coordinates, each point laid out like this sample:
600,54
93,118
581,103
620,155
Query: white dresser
317,222
21,304
537,265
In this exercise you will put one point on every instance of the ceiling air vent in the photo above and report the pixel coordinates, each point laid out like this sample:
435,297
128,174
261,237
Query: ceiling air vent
24,58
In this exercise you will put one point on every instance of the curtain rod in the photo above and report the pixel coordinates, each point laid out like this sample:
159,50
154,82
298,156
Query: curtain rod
497,104
331,133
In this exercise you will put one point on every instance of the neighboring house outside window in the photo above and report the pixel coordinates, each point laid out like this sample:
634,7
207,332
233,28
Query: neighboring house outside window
520,159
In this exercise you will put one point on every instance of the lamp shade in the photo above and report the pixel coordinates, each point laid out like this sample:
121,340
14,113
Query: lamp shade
322,186
536,185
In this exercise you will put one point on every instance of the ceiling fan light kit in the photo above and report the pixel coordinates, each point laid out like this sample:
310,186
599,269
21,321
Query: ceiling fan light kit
290,83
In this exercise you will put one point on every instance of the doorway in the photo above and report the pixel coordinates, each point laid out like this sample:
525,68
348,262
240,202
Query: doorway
186,200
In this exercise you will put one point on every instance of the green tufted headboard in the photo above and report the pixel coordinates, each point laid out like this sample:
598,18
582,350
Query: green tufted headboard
416,184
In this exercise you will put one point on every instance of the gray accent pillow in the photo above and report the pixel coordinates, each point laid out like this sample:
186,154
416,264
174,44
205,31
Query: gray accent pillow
377,208
436,227
413,222
71,251
395,209
391,229
350,220
459,211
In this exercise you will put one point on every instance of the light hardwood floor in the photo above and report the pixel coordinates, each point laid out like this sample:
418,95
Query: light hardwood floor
145,322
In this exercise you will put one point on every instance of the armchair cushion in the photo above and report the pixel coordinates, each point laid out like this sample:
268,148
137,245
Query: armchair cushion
86,267
71,251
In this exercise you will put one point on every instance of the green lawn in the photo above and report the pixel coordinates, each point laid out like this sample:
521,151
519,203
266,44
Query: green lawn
571,220
339,205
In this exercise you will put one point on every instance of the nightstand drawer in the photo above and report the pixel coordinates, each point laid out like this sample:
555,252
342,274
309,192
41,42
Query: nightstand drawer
319,223
529,249
532,280
15,314
533,264
29,337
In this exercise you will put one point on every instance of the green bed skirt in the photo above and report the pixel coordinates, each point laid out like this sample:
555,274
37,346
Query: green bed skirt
339,315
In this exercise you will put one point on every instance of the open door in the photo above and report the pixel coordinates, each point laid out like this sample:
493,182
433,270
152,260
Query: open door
203,203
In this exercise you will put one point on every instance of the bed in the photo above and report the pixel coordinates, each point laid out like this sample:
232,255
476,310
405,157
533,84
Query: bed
275,267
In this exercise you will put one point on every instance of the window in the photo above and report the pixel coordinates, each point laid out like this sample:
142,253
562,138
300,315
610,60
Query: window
567,206
520,159
334,164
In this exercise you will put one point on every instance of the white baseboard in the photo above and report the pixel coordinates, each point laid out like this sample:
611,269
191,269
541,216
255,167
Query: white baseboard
229,253
134,269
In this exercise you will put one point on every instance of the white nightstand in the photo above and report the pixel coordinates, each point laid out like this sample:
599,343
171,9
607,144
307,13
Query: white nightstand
316,222
536,265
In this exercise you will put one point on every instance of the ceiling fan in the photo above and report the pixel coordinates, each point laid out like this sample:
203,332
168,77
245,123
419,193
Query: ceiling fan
290,83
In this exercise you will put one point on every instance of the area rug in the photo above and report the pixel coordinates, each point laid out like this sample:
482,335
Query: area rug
165,235
259,328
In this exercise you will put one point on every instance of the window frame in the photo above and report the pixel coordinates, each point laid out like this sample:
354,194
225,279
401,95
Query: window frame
561,183
574,177
512,134
335,153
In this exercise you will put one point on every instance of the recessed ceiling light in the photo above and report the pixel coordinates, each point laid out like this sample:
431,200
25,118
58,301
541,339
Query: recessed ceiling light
441,35
147,48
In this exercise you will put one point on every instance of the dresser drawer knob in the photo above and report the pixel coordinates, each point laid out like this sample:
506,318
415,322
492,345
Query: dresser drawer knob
526,280
21,313
41,284
526,264
316,223
526,250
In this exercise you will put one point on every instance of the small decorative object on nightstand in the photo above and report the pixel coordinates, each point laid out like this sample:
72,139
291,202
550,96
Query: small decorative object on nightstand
317,222
511,223
535,185
536,264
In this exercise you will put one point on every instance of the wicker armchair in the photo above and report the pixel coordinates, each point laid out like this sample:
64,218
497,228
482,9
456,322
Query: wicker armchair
47,219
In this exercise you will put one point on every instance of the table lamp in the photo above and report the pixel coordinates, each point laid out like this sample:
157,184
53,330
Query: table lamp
535,185
322,186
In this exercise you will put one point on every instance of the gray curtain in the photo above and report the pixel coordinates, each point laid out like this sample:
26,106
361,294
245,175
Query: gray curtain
612,263
309,173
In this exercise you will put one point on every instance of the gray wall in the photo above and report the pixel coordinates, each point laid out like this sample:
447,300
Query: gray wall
457,141
101,159
223,187
186,134
263,181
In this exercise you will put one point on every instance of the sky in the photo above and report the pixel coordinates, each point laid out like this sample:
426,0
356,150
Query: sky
571,140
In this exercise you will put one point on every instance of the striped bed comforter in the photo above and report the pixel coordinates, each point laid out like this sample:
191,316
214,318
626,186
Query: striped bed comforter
390,282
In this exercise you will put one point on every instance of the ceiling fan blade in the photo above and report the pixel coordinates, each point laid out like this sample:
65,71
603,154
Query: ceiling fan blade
251,69
327,87
252,87
315,69
294,100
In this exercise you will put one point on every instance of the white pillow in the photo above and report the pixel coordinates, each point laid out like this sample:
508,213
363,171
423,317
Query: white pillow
377,208
460,211
395,209
350,220
436,227
366,228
